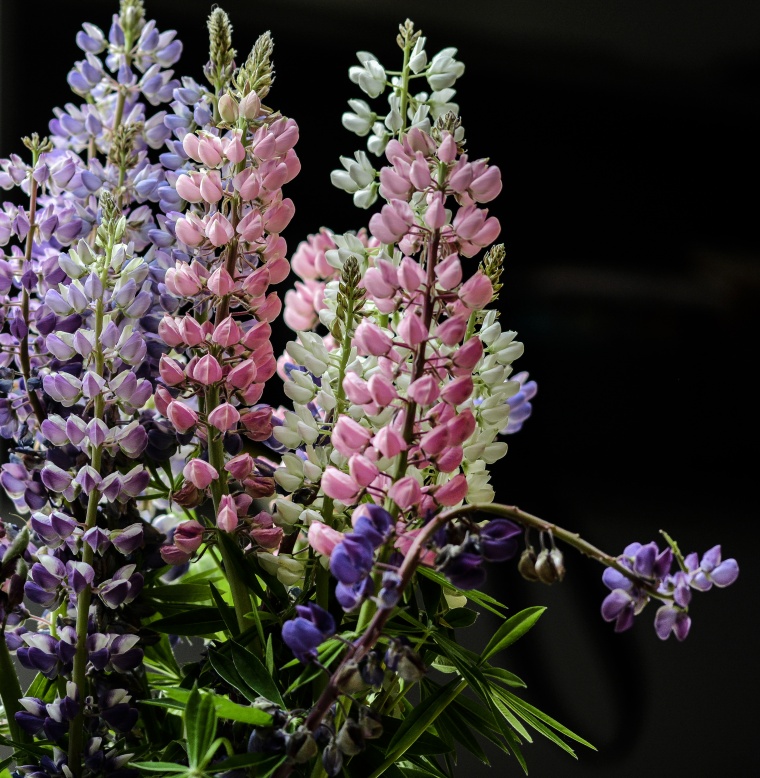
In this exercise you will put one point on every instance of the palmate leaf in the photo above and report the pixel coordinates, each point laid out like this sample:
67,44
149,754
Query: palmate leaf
200,726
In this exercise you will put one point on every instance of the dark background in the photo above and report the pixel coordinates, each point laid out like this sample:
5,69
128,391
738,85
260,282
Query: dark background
627,136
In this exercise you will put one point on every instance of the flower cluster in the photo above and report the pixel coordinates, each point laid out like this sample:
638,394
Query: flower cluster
652,568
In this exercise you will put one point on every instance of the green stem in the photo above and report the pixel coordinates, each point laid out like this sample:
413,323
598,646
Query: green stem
10,691
405,73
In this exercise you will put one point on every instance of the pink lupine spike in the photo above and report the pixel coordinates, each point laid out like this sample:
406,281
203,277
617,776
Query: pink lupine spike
200,473
394,185
264,144
435,215
257,283
192,332
382,390
274,175
170,333
183,281
389,442
356,389
224,417
250,106
277,218
468,356
210,150
190,231
190,145
181,416
435,441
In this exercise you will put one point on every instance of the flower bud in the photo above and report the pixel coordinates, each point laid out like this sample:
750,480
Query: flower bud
228,108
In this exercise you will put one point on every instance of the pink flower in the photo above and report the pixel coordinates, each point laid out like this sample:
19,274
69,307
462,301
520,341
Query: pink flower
435,441
247,183
243,375
362,470
389,442
182,417
224,417
170,370
349,437
452,492
449,272
451,331
277,217
240,467
211,186
450,459
404,540
207,371
468,356
188,536
340,486
227,333
183,281
447,151
486,182
424,391
188,187
199,473
302,305
251,227
411,329
393,221
323,538
477,292
220,282
227,518
233,148
382,390
356,389
218,230
190,230
371,339
250,106
435,216
192,332
458,390
209,150
406,492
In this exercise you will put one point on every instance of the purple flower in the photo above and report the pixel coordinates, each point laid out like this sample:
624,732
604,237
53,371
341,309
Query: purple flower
671,619
463,568
352,558
351,596
520,407
498,540
711,570
307,631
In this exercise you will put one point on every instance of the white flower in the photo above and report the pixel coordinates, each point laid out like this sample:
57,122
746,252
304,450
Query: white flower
370,76
361,120
418,57
358,173
444,70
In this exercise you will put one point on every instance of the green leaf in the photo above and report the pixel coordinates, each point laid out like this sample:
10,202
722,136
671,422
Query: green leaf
270,655
511,631
459,618
192,622
160,767
418,721
225,708
266,764
230,620
42,688
200,726
499,674
160,656
458,729
226,669
253,672
520,705
180,593
479,598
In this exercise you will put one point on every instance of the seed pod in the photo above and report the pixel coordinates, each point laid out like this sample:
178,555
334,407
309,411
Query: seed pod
527,564
350,738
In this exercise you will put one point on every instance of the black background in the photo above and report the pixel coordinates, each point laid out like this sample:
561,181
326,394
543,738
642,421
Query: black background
627,136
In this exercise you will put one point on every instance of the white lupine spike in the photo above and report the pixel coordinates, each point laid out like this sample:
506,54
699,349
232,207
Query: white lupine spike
498,417
440,103
503,340
326,399
310,515
493,376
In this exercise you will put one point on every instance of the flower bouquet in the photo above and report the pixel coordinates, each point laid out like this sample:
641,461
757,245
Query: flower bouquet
205,584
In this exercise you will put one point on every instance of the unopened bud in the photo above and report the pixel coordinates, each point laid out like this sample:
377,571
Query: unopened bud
301,746
350,680
350,738
549,566
228,108
370,723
